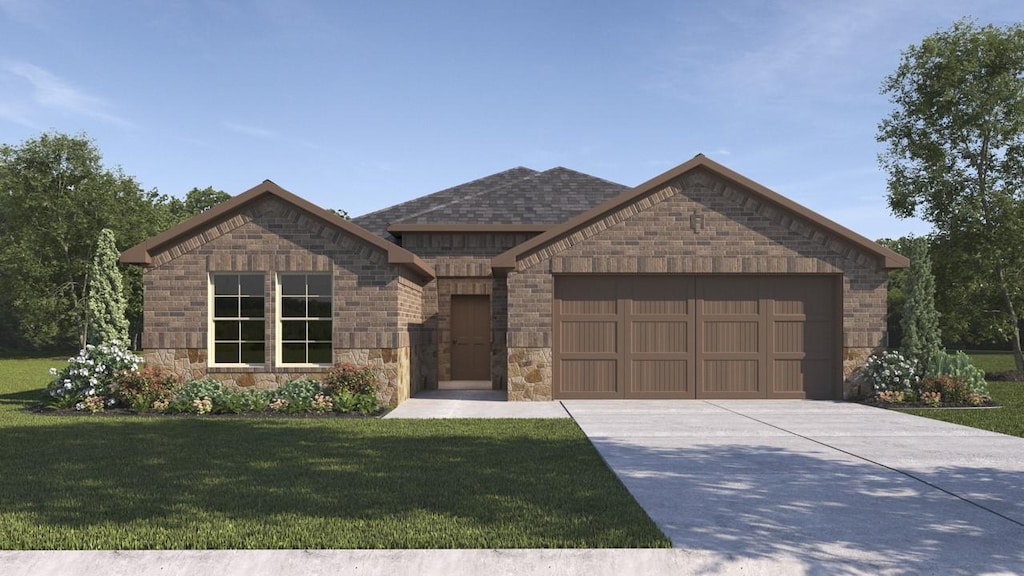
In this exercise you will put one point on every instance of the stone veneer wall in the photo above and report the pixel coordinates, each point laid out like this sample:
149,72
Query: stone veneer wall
376,305
392,366
696,224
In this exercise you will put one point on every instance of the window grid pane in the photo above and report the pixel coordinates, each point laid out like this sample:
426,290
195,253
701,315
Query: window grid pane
239,334
306,303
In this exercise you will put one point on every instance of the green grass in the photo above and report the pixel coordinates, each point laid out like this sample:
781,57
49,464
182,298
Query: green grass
992,361
1009,419
105,482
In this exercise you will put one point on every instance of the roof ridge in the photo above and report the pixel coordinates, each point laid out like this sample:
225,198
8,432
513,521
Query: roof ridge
471,196
442,191
586,174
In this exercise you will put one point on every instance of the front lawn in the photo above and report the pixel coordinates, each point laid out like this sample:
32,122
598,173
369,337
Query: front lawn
105,482
1009,419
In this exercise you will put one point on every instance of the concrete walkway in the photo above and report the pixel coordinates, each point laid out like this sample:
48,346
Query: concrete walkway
830,487
473,404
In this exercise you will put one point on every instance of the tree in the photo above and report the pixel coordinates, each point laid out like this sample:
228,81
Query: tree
55,197
896,298
920,323
955,150
196,201
105,321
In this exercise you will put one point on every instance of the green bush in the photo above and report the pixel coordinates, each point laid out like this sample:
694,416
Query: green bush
958,366
352,388
247,401
200,396
295,396
143,390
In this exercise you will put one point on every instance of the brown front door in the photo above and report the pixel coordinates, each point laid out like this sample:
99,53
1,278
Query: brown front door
471,338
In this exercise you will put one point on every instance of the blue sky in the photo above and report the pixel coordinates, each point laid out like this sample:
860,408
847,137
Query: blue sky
360,105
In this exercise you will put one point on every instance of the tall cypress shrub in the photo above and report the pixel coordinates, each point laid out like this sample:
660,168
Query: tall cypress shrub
921,335
106,310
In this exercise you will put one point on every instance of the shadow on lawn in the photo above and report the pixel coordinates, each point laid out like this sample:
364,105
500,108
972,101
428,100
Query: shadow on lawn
25,398
521,490
832,514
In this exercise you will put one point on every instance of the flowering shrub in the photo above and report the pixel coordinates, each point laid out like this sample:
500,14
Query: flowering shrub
298,394
93,404
352,378
322,403
958,366
891,396
951,389
279,404
209,391
891,371
931,398
92,373
202,406
143,390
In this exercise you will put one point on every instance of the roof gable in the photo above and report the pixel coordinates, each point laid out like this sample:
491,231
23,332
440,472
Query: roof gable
886,257
143,252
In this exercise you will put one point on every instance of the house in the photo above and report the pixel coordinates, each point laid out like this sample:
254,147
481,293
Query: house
698,283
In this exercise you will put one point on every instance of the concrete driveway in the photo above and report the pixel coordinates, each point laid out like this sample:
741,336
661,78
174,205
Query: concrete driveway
818,487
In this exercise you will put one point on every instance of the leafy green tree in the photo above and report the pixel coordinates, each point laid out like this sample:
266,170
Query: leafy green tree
920,323
55,197
196,201
955,150
106,321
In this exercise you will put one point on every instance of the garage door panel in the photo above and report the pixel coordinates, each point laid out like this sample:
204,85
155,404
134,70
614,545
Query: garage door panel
660,377
803,378
589,376
730,377
666,337
731,337
580,336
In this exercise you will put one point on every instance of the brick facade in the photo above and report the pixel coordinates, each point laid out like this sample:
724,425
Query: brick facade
376,308
696,224
393,294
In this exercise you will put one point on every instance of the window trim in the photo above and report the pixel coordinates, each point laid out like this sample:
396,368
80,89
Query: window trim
211,340
280,319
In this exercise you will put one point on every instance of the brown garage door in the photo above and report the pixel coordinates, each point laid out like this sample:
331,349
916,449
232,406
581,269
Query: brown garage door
695,337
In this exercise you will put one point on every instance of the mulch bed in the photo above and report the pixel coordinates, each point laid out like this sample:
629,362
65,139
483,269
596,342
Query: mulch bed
48,411
922,406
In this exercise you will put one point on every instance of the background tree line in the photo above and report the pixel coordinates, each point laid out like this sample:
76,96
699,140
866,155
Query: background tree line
55,198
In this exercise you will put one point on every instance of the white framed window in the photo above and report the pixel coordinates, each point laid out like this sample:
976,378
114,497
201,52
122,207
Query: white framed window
305,307
237,322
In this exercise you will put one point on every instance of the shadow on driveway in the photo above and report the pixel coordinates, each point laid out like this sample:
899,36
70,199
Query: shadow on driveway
785,497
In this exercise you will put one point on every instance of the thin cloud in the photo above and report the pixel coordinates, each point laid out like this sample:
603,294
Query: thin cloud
49,91
248,130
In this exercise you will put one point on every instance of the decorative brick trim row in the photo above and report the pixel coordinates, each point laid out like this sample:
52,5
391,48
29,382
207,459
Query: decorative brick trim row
313,226
462,267
771,213
596,227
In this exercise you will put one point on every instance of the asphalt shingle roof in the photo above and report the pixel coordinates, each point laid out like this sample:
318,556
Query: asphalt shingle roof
516,196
